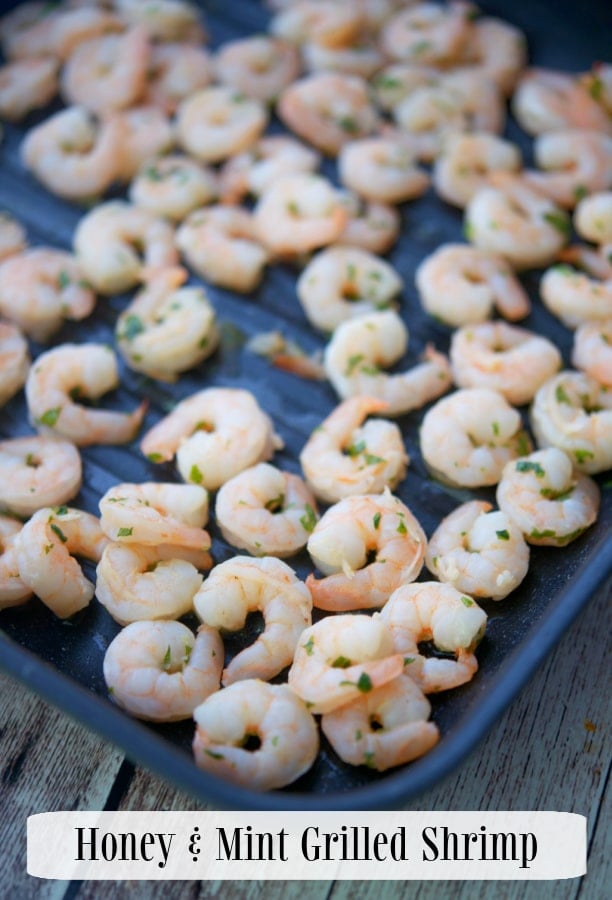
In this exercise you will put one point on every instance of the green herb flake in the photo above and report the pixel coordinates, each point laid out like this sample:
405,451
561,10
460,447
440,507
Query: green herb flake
187,656
50,417
155,457
596,88
341,662
580,192
275,740
387,83
58,531
60,510
309,646
275,504
560,221
353,361
356,449
151,173
63,280
583,456
526,466
467,601
48,548
551,494
534,533
376,520
125,532
364,683
167,659
293,208
358,735
31,461
309,519
561,395
420,47
368,759
213,754
503,535
372,460
195,475
495,427
132,327
468,231
349,124
401,528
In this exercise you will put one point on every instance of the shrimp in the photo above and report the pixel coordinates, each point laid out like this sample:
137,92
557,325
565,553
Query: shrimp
431,611
216,122
13,591
215,433
266,511
327,23
598,83
573,162
463,166
513,361
14,361
574,413
26,85
115,240
221,244
593,217
78,370
549,501
257,735
175,71
160,671
25,32
382,169
579,296
549,101
254,170
108,73
155,513
12,236
427,33
363,58
340,658
72,156
243,585
385,728
342,283
346,538
396,81
173,186
258,66
328,110
593,350
45,547
343,456
68,28
370,226
165,20
467,438
479,550
41,287
514,220
359,347
38,471
136,582
498,52
148,133
167,329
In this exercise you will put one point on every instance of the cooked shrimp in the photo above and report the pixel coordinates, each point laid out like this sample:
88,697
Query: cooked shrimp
12,236
574,413
593,217
385,728
115,240
45,548
165,20
579,296
461,285
258,66
167,329
66,373
549,501
216,122
395,82
430,611
593,350
254,170
221,244
70,27
14,361
479,550
25,32
175,71
346,538
13,591
363,58
148,133
328,23
215,433
468,437
497,51
26,85
37,471
345,456
427,33
382,169
340,658
598,83
328,110
269,716
373,227
135,582
465,162
573,162
360,347
73,156
41,287
342,283
266,511
173,186
513,361
159,671
513,219
243,585
107,73
550,101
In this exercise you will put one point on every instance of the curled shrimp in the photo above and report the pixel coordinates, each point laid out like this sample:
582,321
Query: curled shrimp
572,162
363,58
216,122
593,217
431,611
258,66
271,157
346,538
573,412
13,591
461,285
360,347
243,585
26,85
266,511
175,71
148,133
38,471
215,434
12,236
24,31
173,186
427,33
340,658
468,437
165,20
370,226
270,716
45,549
345,456
382,169
14,361
549,101
576,296
385,728
342,283
463,166
479,550
593,350
497,51
329,24
63,374
547,498
160,671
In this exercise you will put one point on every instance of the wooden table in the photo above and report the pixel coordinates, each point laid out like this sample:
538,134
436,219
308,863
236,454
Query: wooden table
546,753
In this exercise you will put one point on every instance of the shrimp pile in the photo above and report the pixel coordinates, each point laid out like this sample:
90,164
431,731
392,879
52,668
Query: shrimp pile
218,534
